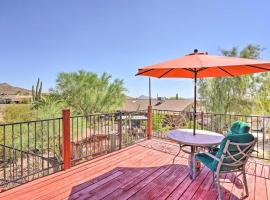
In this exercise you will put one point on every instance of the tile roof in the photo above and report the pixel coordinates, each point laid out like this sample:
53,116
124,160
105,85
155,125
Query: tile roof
168,104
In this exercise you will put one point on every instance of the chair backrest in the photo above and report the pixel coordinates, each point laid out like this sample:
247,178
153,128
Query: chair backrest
234,152
238,127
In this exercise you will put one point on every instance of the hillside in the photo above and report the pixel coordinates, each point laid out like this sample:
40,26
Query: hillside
5,88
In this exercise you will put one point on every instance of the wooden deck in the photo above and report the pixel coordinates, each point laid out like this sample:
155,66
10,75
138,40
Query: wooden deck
142,171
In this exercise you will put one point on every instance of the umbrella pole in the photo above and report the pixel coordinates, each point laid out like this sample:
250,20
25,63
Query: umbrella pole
149,90
195,97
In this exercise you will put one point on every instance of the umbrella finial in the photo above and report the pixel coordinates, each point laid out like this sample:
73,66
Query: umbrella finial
196,51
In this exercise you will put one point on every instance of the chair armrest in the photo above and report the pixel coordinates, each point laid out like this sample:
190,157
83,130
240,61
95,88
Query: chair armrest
210,155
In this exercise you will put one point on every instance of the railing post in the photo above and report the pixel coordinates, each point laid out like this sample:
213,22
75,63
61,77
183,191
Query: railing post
66,139
149,123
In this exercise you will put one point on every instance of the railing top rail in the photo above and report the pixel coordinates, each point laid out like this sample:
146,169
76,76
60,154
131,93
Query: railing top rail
30,121
208,113
59,118
112,113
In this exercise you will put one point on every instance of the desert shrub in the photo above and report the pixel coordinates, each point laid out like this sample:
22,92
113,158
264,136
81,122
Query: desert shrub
18,112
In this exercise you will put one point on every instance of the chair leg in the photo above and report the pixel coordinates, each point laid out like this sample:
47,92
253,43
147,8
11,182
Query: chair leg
218,186
177,153
213,178
245,182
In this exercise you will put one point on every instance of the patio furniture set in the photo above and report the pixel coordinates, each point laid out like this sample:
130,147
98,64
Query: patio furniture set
231,154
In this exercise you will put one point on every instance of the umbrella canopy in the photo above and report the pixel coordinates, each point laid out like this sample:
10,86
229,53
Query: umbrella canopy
204,65
201,65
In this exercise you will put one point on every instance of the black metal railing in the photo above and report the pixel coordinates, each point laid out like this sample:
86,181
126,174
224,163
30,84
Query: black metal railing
33,149
98,134
29,150
165,120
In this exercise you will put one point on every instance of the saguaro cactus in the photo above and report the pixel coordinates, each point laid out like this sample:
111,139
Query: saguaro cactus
36,92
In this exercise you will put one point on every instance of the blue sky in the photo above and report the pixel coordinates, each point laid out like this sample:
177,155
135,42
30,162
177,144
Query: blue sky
42,38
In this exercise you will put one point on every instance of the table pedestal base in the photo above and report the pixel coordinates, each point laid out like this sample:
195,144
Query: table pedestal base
194,166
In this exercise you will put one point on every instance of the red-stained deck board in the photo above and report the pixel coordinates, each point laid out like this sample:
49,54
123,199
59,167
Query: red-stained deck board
260,187
180,189
251,180
78,177
166,191
204,187
131,161
128,191
127,176
266,174
194,186
142,171
151,190
48,180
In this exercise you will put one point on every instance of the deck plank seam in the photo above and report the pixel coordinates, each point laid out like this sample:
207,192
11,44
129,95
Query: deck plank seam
111,165
147,175
112,179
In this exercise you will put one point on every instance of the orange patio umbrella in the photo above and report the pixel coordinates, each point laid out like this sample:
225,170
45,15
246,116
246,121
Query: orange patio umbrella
201,65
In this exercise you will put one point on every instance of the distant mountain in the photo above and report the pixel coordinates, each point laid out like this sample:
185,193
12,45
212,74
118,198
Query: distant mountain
129,97
143,97
7,89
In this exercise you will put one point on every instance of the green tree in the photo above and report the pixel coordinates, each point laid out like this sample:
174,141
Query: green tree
230,94
262,94
87,93
50,105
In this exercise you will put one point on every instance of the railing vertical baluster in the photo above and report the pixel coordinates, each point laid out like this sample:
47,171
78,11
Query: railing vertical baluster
120,130
77,128
28,149
59,137
86,136
21,148
263,132
90,132
94,132
13,152
257,130
211,121
42,162
202,118
72,130
54,154
48,145
4,151
66,139
82,135
98,133
149,123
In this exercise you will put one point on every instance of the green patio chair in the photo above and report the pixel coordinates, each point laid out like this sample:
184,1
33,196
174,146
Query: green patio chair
232,156
238,127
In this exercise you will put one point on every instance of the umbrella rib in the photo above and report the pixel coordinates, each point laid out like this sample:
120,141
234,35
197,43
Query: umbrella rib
199,70
166,72
190,70
258,67
144,72
225,71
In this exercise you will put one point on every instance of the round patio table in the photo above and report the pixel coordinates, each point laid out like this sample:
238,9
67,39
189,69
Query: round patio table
202,138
